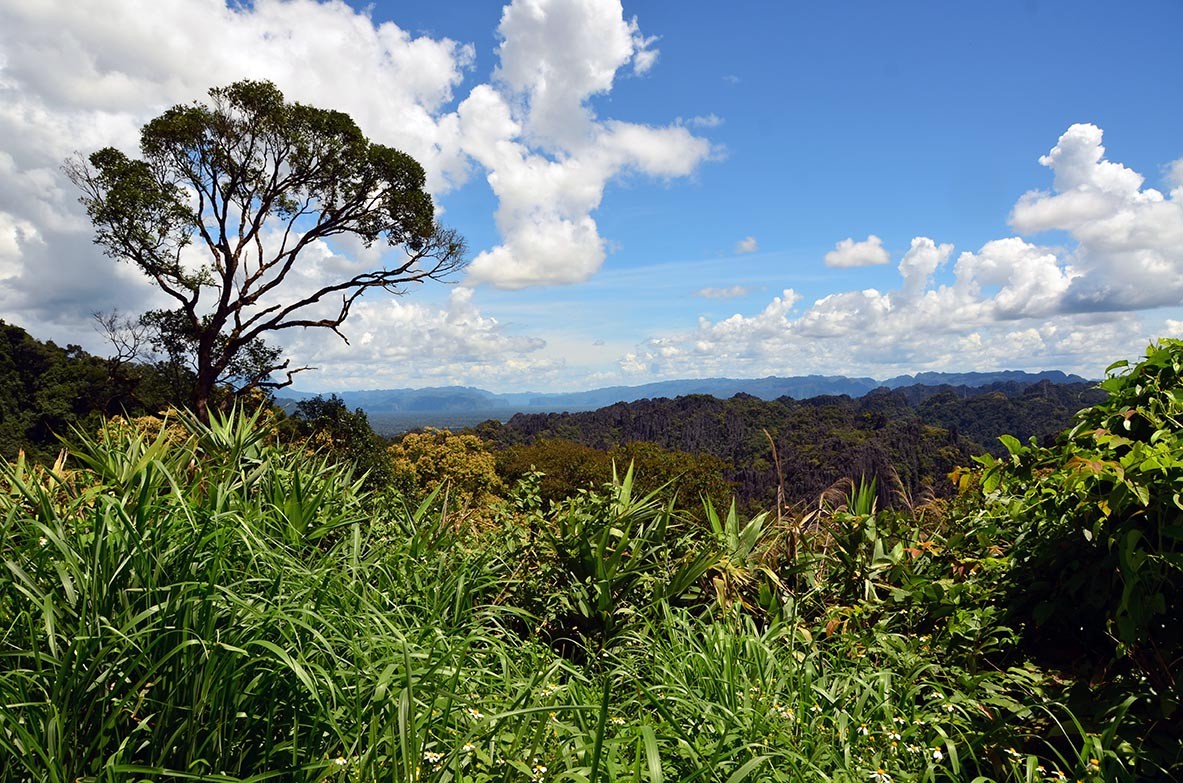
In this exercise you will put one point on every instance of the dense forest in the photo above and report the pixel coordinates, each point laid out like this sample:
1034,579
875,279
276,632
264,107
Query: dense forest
908,439
47,392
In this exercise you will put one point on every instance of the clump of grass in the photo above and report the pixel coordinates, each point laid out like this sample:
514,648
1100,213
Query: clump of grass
209,608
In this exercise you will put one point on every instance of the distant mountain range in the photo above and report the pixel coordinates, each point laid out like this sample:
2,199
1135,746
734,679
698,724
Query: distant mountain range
462,405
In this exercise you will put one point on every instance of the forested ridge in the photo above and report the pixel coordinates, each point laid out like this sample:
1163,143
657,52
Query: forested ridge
47,391
908,439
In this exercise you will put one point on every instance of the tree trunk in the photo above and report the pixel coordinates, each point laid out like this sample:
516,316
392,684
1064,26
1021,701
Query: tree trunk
201,395
207,376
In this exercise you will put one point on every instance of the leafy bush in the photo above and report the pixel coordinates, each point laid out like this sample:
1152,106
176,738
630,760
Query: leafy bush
1098,528
327,425
457,469
604,558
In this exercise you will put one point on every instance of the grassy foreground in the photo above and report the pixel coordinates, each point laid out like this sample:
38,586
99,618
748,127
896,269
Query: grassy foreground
193,602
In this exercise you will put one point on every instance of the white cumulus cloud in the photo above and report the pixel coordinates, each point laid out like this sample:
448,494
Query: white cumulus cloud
393,340
547,156
1129,238
848,253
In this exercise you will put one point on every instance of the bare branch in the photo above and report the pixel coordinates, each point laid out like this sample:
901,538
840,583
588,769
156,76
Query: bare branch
127,335
444,253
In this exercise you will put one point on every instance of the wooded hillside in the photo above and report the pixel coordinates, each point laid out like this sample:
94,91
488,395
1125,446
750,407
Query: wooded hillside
909,439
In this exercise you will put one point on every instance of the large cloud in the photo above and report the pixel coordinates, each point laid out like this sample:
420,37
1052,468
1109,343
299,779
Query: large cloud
395,340
82,74
1129,252
98,68
1011,302
547,155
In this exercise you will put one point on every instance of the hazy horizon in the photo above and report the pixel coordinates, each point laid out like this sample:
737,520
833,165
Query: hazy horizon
298,389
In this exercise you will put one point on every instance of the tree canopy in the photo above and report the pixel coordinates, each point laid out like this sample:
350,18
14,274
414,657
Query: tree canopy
47,392
225,198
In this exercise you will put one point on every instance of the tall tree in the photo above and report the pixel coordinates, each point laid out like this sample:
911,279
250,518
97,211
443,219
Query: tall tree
223,201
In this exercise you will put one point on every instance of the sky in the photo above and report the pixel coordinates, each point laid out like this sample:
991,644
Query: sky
656,190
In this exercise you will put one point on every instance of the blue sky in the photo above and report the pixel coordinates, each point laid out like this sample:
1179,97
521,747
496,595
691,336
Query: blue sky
653,190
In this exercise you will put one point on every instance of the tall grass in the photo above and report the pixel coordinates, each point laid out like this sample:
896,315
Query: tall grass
193,603
204,607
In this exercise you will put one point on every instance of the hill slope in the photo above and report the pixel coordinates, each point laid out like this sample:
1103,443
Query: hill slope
909,439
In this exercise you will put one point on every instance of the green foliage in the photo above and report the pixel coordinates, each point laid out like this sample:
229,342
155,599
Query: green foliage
1097,525
820,442
695,475
1038,411
457,469
327,425
744,574
47,391
856,547
611,556
568,467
